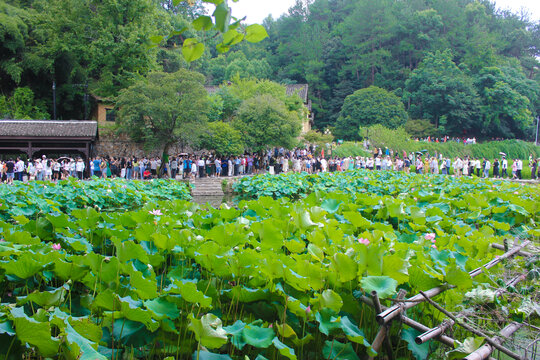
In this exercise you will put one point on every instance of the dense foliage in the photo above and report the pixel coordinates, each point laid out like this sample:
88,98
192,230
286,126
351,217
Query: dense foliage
367,107
100,47
164,109
265,278
483,60
383,183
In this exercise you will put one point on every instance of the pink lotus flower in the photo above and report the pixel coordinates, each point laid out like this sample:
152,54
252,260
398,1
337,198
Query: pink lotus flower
271,326
434,246
308,309
430,236
412,189
2,240
57,246
364,241
515,192
156,212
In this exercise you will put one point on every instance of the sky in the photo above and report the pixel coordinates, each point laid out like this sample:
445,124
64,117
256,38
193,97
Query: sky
257,10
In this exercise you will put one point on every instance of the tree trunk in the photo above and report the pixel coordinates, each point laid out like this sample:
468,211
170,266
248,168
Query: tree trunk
164,160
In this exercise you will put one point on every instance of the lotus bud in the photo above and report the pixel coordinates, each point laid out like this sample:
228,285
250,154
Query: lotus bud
308,309
107,259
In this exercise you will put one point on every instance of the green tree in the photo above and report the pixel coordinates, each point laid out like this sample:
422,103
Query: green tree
506,109
164,109
369,106
21,105
222,138
420,128
239,90
265,121
442,93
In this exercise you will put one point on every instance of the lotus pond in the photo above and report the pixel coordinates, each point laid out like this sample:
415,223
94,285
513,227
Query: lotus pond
157,277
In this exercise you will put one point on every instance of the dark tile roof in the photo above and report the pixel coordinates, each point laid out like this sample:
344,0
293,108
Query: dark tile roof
48,128
300,89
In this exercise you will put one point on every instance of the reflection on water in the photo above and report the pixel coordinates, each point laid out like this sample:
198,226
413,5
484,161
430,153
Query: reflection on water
214,201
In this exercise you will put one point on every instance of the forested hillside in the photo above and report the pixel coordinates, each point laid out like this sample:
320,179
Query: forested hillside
460,67
461,64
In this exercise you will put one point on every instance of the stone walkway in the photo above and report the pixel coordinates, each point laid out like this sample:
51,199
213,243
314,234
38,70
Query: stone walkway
211,186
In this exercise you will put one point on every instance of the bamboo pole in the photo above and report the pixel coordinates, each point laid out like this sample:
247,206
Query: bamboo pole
446,340
513,282
382,334
434,332
501,247
397,309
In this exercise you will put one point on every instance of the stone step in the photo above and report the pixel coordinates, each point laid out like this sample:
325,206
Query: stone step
208,193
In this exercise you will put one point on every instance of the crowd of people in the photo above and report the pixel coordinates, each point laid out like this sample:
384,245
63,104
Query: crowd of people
274,161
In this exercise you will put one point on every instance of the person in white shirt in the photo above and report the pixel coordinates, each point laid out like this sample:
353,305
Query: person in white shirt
504,167
324,165
200,165
31,170
487,168
478,167
519,168
79,167
458,165
39,170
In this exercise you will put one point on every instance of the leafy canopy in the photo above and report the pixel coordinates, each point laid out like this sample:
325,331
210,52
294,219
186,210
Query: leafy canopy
441,92
265,121
222,138
369,106
164,109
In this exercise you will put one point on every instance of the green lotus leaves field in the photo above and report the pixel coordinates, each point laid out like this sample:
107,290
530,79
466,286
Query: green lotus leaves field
158,277
38,196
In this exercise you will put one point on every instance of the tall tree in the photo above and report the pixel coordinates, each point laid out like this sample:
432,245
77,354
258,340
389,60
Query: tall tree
367,107
265,121
506,109
442,93
164,109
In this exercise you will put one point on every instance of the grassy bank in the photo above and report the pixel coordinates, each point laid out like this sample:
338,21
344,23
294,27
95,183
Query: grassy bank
513,148
399,140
